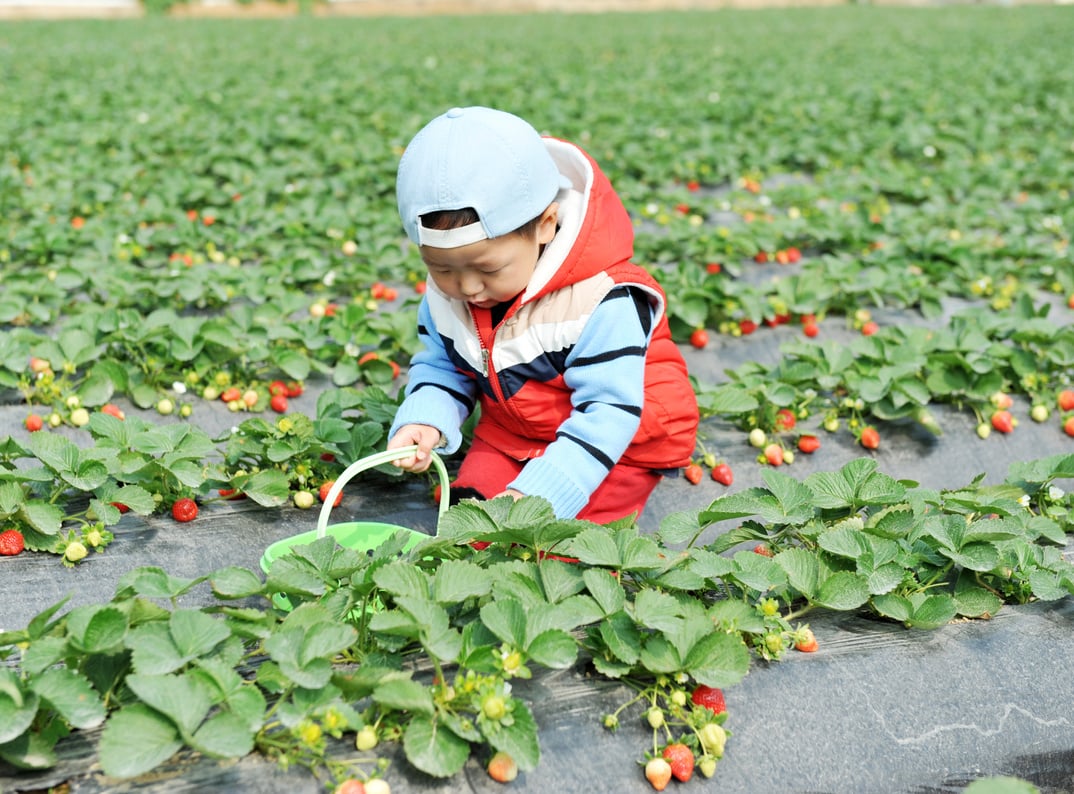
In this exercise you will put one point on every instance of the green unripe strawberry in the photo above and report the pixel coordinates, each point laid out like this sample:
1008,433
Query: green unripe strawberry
75,551
758,437
706,765
80,417
494,707
303,500
165,406
1039,413
713,738
367,738
655,717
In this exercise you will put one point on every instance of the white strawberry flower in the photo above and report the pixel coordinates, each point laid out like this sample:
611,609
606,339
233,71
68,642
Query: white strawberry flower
1055,493
1023,500
179,387
929,151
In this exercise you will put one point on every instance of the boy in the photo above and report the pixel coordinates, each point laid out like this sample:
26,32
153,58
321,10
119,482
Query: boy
535,315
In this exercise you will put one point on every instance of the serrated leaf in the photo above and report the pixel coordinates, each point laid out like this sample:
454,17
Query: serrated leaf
404,695
718,659
595,547
223,735
519,739
234,582
842,591
434,749
621,635
457,580
135,740
554,648
656,610
605,589
72,697
506,618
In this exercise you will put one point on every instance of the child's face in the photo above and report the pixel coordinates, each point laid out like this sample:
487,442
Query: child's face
489,271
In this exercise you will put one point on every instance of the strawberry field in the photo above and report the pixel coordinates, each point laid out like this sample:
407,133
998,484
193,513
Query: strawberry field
862,220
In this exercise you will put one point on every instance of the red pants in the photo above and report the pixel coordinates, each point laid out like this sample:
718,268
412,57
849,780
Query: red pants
487,471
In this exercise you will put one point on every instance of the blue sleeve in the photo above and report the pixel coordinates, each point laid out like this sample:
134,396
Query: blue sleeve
606,375
437,394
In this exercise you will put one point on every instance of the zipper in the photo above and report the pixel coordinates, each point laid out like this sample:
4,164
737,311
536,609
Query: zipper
486,356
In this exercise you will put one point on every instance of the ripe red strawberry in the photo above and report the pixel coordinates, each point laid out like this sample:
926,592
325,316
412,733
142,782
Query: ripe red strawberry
294,388
681,759
793,254
763,549
502,767
1003,421
713,267
805,641
783,257
699,338
693,473
1066,400
231,394
11,543
808,444
870,438
722,474
34,423
1068,426
869,328
278,403
760,257
658,773
184,510
785,419
693,186
350,786
773,453
277,387
810,329
113,410
710,697
122,508
325,488
747,327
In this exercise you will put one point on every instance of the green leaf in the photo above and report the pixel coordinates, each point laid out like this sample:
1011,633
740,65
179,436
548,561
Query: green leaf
457,580
605,589
17,707
718,659
135,740
433,749
234,582
975,556
404,695
561,580
843,591
976,602
656,610
224,735
402,579
554,648
595,547
31,750
72,696
931,612
269,488
181,698
506,618
98,629
519,739
802,569
621,636
154,582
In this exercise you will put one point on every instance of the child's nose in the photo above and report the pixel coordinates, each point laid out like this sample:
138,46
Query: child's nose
470,284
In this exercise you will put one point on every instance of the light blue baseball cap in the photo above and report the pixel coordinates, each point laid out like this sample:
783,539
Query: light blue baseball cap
475,157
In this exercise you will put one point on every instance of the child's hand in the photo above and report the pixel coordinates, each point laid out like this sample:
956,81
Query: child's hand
425,436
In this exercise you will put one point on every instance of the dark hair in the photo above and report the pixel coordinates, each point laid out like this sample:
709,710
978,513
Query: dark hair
454,219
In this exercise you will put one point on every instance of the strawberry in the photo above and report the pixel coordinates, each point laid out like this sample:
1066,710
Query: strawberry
869,328
693,473
785,419
810,329
502,767
722,474
793,255
760,257
366,738
758,438
113,410
1003,422
294,389
805,641
808,444
658,773
278,403
773,453
1065,400
681,759
699,338
122,508
231,394
277,387
1068,426
1001,400
747,327
783,257
34,423
325,488
709,697
184,510
763,549
693,186
377,785
713,267
713,738
351,786
870,438
303,500
11,543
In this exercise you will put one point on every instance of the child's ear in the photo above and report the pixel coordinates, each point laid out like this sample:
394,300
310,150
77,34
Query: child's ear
546,227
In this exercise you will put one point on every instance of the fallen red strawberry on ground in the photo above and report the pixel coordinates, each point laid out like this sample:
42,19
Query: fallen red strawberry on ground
1003,422
34,423
681,759
810,329
184,510
805,641
323,493
1065,400
870,438
11,543
773,453
278,403
1068,426
502,767
808,444
722,474
693,473
785,419
699,338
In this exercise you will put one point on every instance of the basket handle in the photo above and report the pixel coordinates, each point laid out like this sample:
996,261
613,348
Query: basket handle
370,461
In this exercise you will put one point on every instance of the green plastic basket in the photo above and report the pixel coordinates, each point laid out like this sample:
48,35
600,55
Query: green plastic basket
362,536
